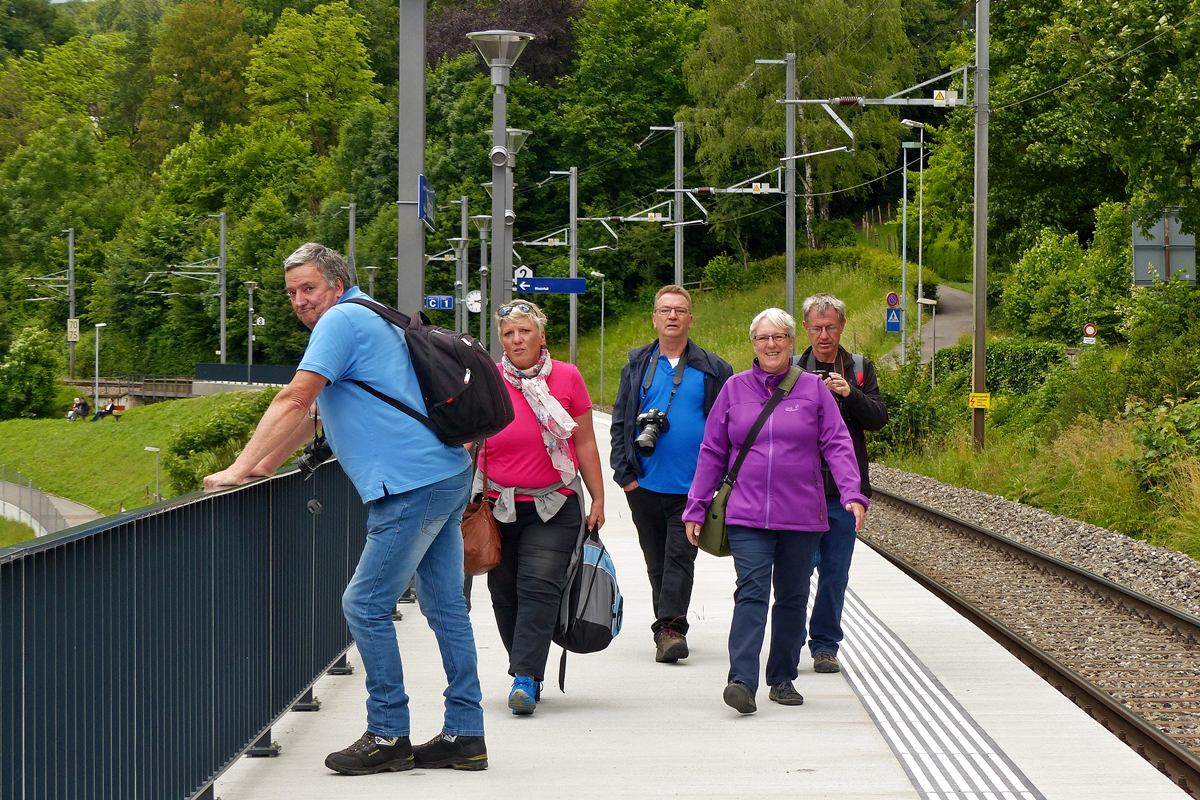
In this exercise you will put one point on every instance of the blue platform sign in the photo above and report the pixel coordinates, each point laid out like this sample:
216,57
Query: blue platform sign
439,302
893,320
426,201
552,285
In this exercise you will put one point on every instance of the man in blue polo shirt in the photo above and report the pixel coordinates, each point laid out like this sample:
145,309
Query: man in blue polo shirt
416,487
666,392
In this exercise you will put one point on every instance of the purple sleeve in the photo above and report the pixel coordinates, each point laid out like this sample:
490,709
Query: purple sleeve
713,461
838,450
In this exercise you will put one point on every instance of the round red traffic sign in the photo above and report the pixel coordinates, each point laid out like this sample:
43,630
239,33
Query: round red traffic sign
893,299
1089,329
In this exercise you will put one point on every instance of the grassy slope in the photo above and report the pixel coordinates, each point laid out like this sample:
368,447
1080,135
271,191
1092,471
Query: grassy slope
12,532
723,325
101,464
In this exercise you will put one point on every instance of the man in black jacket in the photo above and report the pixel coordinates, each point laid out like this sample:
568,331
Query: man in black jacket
852,380
666,392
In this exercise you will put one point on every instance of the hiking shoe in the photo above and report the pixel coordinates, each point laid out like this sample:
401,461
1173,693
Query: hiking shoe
738,696
523,697
456,752
786,695
372,753
825,662
669,646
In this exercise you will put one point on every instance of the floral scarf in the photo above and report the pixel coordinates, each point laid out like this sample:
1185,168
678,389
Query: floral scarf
555,423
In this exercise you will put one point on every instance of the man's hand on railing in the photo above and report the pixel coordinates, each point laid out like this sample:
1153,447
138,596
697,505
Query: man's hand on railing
226,478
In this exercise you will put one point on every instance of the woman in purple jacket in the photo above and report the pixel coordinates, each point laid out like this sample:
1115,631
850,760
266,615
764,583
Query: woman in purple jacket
776,511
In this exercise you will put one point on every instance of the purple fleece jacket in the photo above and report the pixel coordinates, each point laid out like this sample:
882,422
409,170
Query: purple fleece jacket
780,485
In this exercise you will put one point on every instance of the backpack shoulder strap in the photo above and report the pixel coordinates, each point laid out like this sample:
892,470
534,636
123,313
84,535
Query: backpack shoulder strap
858,367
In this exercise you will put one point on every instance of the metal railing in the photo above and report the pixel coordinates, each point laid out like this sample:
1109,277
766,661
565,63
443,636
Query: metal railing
142,654
22,500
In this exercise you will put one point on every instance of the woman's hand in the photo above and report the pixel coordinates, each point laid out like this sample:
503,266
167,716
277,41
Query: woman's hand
595,517
859,513
693,532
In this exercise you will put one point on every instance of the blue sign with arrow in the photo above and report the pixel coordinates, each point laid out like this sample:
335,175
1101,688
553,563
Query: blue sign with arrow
893,320
552,285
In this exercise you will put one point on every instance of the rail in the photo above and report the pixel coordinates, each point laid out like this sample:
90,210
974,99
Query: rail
142,654
1168,755
22,500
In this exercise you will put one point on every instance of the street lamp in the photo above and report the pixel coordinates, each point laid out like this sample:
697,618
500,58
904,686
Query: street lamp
250,287
96,371
600,275
920,126
484,223
157,493
500,49
371,280
933,353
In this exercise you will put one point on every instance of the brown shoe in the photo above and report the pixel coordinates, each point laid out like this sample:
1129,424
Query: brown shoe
669,646
825,662
371,754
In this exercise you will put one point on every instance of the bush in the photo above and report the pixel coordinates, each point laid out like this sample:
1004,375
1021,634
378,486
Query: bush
722,272
213,442
1167,435
917,414
29,374
836,233
953,260
1014,367
1163,325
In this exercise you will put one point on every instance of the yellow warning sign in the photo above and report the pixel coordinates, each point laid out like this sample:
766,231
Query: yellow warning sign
939,97
980,400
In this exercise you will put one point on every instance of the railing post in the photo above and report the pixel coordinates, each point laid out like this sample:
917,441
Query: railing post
264,747
342,667
307,702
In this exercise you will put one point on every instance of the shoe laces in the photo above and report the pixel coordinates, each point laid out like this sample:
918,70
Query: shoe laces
525,684
368,742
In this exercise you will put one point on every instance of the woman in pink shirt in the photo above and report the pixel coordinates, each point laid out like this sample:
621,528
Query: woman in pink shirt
534,468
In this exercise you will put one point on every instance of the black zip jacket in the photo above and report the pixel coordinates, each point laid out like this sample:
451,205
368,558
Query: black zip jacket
863,410
623,455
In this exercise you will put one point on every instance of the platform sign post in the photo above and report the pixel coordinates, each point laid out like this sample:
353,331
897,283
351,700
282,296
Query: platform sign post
439,302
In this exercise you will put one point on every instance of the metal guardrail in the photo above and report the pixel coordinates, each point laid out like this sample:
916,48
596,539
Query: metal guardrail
142,654
22,500
147,388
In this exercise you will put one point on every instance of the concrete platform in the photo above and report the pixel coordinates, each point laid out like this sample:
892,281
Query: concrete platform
628,727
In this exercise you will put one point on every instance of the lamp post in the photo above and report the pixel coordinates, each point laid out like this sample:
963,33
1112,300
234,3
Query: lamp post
459,243
371,280
500,49
514,140
600,275
250,287
157,493
221,281
484,223
920,126
933,353
96,372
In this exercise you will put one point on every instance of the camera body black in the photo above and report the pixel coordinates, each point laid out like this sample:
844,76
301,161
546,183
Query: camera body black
316,453
650,424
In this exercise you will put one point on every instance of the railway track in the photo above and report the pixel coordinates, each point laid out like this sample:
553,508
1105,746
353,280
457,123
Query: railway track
1129,661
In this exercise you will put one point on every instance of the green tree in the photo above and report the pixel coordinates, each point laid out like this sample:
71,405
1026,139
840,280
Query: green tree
31,25
312,71
197,67
29,374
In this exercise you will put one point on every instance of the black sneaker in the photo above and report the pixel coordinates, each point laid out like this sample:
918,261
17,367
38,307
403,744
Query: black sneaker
456,752
371,754
738,695
786,695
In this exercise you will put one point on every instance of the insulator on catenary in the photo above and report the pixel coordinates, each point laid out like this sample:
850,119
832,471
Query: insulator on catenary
848,101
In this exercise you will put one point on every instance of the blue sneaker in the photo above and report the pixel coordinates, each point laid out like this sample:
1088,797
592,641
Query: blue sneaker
523,697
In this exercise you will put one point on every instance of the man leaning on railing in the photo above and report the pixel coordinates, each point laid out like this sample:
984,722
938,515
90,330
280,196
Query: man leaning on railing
416,487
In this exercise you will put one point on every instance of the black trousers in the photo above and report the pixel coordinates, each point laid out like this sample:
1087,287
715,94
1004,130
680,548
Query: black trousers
670,557
527,585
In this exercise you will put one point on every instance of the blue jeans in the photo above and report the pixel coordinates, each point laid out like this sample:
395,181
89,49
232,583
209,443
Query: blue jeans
833,566
415,532
762,558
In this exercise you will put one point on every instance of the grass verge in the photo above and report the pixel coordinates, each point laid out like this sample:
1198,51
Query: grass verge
12,532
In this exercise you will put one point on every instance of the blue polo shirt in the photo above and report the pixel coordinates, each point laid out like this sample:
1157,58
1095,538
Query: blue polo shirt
670,469
382,449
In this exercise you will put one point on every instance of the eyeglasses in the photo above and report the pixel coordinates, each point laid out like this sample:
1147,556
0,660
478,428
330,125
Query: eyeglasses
816,330
666,311
504,311
771,338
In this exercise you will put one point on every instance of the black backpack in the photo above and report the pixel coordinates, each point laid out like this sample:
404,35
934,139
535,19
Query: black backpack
464,393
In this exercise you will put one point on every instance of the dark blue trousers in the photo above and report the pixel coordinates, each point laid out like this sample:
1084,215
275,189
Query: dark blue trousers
833,566
764,559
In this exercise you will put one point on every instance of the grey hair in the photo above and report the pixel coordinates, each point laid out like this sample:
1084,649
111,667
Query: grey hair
777,317
328,262
534,314
821,303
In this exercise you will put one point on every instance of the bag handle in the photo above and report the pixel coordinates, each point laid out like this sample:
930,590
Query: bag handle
480,446
783,389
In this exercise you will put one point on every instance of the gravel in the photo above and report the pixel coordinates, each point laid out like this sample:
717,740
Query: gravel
1167,576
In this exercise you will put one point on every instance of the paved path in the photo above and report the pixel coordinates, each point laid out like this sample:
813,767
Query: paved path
17,502
955,318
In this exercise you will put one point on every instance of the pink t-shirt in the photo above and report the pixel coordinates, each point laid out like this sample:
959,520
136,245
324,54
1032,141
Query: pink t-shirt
516,455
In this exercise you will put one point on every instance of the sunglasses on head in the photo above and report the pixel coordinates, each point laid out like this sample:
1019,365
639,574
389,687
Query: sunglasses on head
504,311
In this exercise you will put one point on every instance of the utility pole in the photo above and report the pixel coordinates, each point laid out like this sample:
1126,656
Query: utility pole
221,284
679,192
71,293
790,184
250,286
982,67
573,247
484,223
904,259
460,302
410,229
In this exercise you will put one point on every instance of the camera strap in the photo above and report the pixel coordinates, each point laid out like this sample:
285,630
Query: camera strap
678,379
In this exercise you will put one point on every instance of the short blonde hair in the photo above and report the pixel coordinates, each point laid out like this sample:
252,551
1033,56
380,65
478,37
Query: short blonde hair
674,288
522,309
777,317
